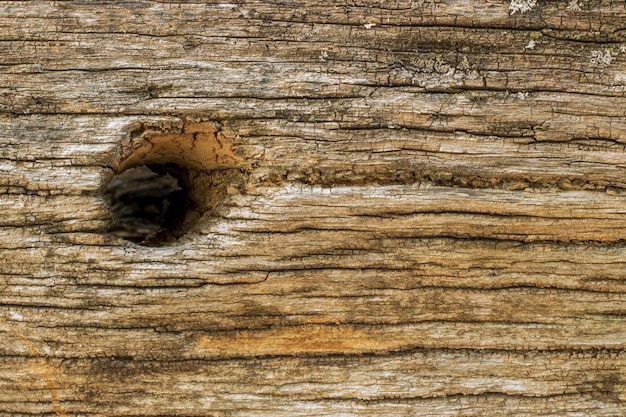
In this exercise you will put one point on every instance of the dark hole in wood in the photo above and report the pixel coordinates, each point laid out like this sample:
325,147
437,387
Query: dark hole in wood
149,203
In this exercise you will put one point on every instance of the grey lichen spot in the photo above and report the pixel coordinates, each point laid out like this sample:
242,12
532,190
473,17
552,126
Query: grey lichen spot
601,58
522,95
522,6
574,6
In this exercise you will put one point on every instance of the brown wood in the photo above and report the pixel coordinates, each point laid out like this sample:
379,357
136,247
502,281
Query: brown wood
402,208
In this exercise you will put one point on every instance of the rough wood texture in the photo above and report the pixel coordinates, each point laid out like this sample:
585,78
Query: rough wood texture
423,213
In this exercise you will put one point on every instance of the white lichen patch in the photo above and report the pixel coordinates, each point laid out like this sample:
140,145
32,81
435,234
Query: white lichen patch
602,58
531,45
574,6
369,25
522,6
522,95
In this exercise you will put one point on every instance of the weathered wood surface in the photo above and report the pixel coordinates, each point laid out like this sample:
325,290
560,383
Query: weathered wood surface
430,218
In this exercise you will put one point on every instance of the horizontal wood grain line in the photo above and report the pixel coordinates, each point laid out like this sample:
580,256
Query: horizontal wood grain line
226,259
218,91
339,48
173,342
409,211
413,211
243,405
61,213
305,315
399,200
46,161
45,178
447,381
168,17
554,370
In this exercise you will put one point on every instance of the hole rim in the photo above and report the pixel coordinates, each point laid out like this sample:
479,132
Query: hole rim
202,157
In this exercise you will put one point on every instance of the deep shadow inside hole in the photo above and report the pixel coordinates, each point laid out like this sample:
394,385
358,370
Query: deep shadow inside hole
149,203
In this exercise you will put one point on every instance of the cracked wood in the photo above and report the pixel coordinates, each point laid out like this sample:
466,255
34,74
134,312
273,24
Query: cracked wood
427,215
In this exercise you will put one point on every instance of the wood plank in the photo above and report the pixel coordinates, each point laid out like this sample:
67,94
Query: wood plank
424,216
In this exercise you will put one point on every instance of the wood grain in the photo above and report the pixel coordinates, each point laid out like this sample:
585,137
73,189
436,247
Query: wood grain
422,212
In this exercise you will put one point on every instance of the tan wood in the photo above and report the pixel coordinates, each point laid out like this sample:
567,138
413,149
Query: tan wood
407,208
